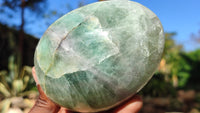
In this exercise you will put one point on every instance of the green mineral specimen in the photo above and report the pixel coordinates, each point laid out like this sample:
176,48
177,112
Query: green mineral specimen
99,55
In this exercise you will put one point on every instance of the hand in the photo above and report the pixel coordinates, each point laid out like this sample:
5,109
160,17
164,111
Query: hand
45,105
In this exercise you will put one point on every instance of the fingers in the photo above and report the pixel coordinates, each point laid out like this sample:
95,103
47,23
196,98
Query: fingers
35,76
43,103
42,94
64,110
133,105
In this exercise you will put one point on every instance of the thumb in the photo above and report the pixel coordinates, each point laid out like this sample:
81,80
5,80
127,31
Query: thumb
35,76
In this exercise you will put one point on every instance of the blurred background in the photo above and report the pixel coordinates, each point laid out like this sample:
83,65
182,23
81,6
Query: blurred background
175,87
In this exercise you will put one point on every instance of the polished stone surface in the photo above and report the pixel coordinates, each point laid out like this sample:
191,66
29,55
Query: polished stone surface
97,56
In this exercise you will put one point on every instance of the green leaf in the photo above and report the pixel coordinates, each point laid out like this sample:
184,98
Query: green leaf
4,91
11,67
3,80
26,80
5,105
17,86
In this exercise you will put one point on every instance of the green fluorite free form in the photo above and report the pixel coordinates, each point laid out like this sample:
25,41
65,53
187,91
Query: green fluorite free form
99,55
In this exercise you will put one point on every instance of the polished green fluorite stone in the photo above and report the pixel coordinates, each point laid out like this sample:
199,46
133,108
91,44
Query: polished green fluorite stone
99,55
